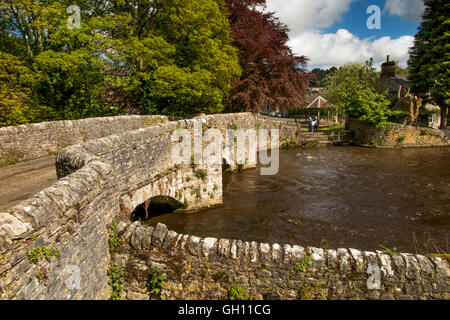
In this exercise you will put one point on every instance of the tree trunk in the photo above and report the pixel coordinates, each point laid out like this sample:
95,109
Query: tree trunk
448,116
443,117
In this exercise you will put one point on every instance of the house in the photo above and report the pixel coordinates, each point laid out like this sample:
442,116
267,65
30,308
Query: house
397,86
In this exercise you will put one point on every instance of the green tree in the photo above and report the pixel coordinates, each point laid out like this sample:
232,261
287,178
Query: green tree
179,60
429,64
68,70
160,56
354,90
18,103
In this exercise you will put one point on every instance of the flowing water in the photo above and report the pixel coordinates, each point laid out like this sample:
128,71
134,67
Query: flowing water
335,197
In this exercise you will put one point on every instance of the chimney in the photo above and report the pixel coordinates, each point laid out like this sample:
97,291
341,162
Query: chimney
388,69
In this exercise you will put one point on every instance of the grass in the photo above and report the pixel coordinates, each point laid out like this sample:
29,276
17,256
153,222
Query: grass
339,127
11,158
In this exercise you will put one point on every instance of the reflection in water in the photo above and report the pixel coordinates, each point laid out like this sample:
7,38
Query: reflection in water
335,197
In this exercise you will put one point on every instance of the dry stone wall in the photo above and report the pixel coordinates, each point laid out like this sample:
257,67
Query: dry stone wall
37,140
207,268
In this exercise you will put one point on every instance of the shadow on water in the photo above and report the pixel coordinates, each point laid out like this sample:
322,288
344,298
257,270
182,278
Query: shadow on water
335,197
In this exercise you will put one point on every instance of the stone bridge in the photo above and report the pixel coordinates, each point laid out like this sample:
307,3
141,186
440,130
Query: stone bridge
58,243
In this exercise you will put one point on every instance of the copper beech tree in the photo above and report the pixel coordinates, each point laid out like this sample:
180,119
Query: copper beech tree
272,75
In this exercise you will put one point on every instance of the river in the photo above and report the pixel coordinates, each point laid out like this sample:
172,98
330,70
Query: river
335,197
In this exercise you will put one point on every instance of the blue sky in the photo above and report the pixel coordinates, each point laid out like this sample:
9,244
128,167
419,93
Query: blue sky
333,32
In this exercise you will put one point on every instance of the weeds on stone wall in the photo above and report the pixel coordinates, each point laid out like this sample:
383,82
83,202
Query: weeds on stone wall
238,293
288,144
401,139
374,143
392,252
116,279
114,240
303,265
206,269
200,173
308,290
42,274
37,253
443,256
156,283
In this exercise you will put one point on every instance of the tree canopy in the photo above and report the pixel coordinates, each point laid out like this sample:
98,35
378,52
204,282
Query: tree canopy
322,76
429,64
129,56
355,90
272,76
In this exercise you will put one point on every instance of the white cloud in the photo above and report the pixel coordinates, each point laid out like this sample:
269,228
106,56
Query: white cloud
409,9
336,49
306,19
305,15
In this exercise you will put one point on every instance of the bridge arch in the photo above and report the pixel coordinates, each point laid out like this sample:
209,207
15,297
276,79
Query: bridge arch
155,206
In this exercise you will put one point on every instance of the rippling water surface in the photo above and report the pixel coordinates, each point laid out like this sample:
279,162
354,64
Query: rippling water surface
335,197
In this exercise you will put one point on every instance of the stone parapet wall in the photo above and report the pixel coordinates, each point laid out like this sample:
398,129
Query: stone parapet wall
207,268
396,135
62,232
37,140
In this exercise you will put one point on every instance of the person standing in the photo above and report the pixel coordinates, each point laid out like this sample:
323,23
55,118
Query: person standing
310,123
316,124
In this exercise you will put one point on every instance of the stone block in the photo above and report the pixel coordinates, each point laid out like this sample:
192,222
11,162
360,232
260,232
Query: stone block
345,263
209,247
193,245
170,240
224,247
359,260
318,259
159,234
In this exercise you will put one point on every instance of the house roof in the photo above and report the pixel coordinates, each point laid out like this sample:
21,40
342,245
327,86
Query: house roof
320,103
393,83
